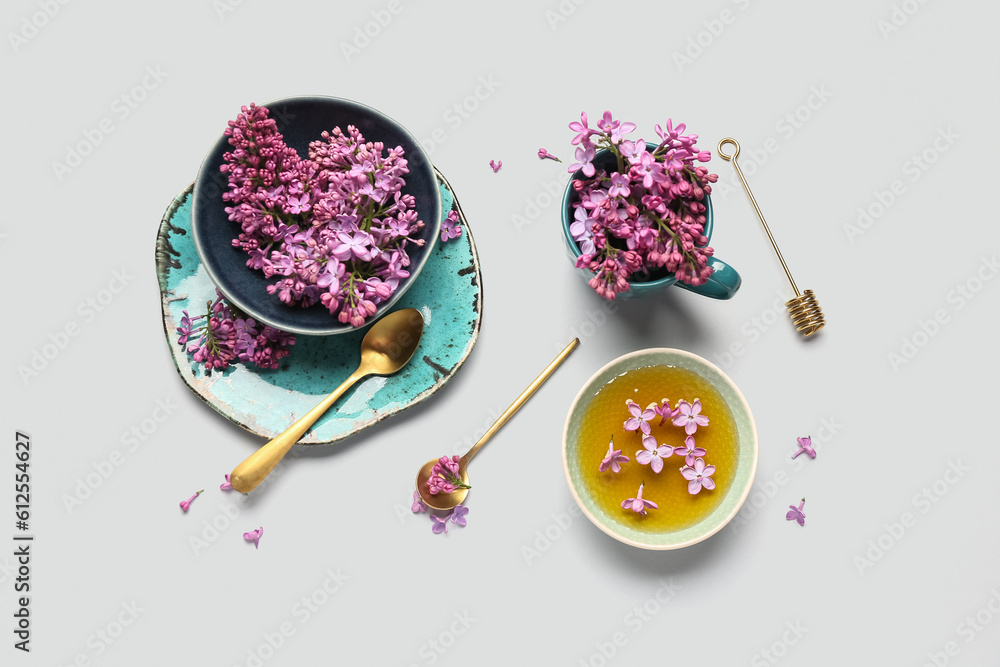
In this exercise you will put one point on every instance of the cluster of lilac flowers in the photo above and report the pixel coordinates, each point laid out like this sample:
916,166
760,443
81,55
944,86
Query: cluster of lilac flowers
333,227
445,476
439,522
685,415
646,218
224,335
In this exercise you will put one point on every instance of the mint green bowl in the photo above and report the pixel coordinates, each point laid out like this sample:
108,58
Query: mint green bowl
746,465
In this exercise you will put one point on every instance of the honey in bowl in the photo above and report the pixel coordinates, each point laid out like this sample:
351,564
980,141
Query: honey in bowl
604,418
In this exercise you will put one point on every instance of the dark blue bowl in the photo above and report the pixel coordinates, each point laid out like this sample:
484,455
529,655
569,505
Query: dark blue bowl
301,120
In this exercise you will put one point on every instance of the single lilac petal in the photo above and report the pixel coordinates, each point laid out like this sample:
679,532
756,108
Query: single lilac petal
650,412
691,427
633,408
649,442
688,473
694,486
656,464
650,503
627,503
644,457
708,483
632,424
708,471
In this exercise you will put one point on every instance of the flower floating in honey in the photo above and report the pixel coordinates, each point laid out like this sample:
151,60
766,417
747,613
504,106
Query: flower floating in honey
699,475
689,416
185,504
254,536
639,504
665,411
614,459
640,418
653,454
796,514
805,446
689,450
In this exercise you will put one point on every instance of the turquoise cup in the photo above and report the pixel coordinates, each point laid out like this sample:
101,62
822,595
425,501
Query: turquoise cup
722,284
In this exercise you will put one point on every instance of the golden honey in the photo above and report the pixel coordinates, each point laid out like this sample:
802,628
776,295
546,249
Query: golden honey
604,418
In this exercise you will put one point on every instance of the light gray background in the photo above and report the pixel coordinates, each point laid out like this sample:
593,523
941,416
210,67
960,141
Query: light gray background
890,431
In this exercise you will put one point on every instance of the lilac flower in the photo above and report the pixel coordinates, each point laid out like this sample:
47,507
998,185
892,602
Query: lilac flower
545,155
226,486
639,504
298,204
665,411
451,227
796,514
584,155
353,245
458,515
613,460
688,416
254,536
632,150
805,446
653,454
580,230
619,186
613,128
439,525
699,475
689,451
582,132
418,503
640,418
185,504
495,166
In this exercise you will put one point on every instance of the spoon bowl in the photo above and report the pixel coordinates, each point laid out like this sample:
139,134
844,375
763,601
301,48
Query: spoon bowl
442,501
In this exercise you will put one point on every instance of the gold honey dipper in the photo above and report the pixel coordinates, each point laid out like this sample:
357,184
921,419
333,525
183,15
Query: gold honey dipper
806,314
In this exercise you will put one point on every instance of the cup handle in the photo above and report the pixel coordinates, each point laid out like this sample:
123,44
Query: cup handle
722,284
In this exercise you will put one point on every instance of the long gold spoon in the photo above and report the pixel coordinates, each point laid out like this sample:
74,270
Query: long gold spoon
385,349
446,501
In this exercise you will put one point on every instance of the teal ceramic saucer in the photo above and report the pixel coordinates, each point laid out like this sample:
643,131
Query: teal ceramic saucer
448,293
746,466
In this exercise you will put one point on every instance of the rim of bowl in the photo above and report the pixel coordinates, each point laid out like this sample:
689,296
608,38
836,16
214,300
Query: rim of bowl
383,307
669,279
609,529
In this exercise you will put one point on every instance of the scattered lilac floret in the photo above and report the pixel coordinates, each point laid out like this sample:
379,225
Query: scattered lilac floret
665,411
185,504
796,514
458,515
689,416
613,460
226,486
254,536
639,504
418,505
545,155
805,446
451,227
699,475
439,525
653,454
495,166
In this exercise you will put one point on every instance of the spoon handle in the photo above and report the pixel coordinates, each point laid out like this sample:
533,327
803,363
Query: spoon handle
247,475
516,405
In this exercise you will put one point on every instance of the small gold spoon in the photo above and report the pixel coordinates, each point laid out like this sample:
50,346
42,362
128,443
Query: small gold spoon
385,349
446,501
